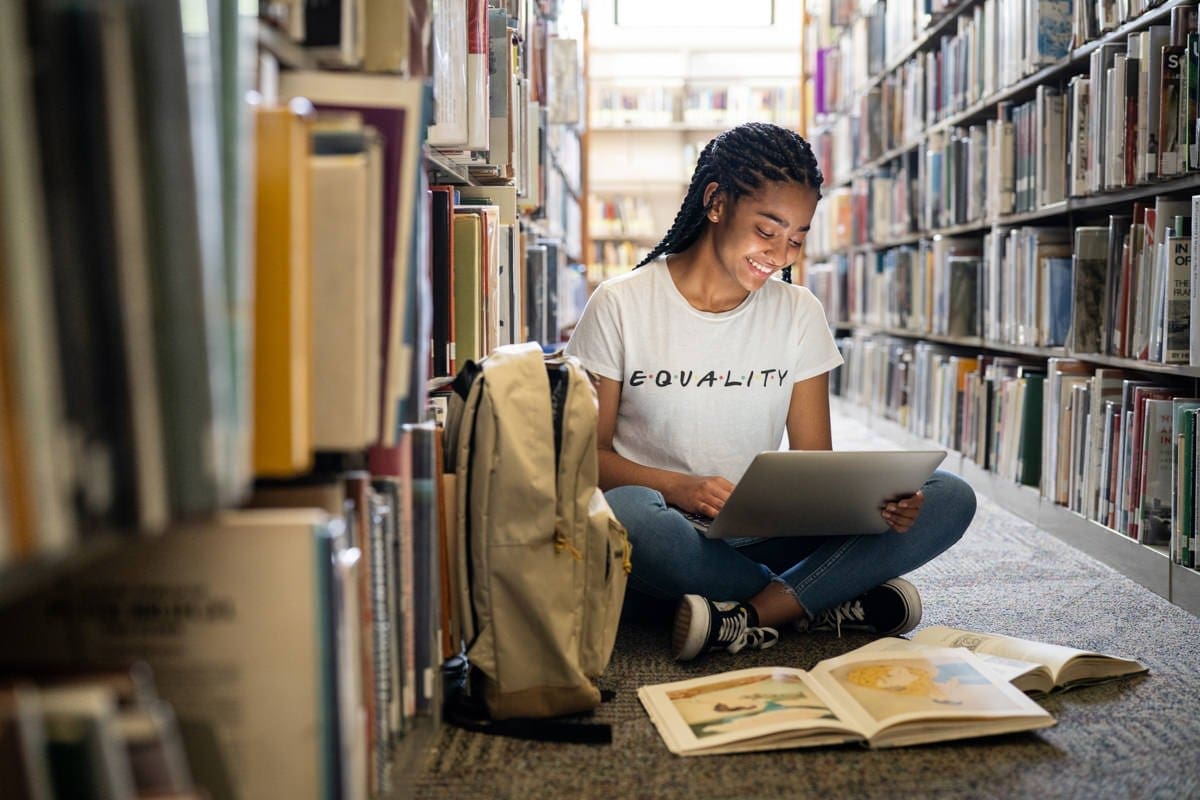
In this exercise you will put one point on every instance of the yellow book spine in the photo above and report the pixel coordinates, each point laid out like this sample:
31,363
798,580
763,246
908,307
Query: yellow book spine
283,295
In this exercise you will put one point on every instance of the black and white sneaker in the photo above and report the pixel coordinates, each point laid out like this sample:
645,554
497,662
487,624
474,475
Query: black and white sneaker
890,609
702,625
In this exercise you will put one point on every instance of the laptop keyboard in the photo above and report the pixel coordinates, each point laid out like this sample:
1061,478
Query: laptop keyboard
699,521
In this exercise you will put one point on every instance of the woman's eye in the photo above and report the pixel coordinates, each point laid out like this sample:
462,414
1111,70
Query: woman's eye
764,234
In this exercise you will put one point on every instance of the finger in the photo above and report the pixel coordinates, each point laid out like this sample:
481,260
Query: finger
899,521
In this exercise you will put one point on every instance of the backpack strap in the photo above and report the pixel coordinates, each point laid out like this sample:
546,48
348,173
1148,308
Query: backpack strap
465,377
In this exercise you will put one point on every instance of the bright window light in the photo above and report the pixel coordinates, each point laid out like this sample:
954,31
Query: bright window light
694,14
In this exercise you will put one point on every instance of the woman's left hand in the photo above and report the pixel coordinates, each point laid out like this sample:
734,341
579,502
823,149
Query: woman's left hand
902,513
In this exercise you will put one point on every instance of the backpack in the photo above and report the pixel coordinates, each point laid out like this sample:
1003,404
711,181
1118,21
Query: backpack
541,560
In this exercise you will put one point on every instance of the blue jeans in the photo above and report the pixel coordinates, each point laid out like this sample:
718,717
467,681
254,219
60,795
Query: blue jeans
670,559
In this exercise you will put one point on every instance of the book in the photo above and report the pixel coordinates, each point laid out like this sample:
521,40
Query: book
1189,104
283,294
502,82
34,419
259,715
179,144
1056,302
1034,667
334,32
1183,498
1090,268
1173,61
478,79
1155,497
878,699
442,351
1118,230
1176,320
341,353
1194,292
1188,545
1152,270
450,120
385,36
24,767
83,747
1078,110
1105,387
468,288
1149,85
962,311
132,301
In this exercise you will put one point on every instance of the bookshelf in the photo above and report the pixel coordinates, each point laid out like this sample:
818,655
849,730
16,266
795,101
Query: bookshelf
929,202
209,218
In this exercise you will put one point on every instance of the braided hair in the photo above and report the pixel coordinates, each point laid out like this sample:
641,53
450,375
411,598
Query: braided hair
739,161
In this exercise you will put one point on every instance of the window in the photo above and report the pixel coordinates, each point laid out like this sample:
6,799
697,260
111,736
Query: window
694,14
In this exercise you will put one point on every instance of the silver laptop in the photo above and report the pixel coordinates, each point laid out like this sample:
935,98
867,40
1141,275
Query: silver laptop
819,492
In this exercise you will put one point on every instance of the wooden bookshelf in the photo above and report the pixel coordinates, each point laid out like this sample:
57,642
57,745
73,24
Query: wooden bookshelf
958,109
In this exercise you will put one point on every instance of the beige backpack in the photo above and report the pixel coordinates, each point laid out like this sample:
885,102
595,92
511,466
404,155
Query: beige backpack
541,561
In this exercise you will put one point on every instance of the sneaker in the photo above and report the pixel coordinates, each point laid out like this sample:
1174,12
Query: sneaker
702,625
889,609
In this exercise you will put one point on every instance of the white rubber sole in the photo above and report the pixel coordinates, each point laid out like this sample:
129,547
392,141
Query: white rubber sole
912,604
692,621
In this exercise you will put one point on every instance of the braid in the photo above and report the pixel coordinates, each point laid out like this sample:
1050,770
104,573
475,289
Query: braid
739,161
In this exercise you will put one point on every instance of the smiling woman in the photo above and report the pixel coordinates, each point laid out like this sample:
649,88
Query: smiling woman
703,313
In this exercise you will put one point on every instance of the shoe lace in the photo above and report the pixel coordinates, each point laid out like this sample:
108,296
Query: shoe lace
734,629
849,611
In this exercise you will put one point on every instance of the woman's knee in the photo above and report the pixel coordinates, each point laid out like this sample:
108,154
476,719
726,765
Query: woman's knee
633,505
645,514
951,501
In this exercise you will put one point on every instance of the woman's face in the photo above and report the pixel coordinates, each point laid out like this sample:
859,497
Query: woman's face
762,233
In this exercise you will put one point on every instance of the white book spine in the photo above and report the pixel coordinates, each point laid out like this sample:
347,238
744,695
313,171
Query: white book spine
1176,334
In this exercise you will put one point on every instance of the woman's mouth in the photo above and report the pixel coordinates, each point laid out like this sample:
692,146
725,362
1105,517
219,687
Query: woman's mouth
761,269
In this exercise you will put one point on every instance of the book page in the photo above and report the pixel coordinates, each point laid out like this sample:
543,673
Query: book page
760,708
1025,675
946,686
1054,657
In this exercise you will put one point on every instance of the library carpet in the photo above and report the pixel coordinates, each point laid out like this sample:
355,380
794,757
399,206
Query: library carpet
1137,738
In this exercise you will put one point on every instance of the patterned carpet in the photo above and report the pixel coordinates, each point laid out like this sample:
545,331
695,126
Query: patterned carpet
1138,738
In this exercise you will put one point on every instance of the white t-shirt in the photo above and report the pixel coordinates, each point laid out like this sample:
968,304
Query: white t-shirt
702,393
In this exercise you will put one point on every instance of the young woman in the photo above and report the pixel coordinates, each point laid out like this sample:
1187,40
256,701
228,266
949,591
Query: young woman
701,361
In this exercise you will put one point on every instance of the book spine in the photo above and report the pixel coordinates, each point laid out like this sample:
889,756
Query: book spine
1176,322
1168,116
478,78
1192,118
1131,161
1194,289
1189,552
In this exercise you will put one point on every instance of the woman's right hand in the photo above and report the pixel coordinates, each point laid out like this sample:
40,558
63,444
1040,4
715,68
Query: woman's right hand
701,494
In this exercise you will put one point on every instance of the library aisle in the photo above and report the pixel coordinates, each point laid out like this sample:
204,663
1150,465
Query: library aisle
1130,739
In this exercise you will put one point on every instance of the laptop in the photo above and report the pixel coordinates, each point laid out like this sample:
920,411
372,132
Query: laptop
818,492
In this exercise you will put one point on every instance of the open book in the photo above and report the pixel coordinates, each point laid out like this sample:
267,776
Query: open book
879,699
1033,667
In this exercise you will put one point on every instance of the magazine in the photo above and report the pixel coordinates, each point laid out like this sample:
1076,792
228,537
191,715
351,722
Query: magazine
875,698
1033,667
